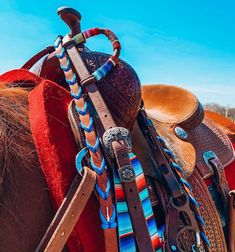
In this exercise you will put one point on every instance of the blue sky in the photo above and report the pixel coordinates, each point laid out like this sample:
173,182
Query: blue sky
185,42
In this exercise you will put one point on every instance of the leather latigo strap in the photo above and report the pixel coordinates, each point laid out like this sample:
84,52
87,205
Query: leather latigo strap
69,212
134,205
231,232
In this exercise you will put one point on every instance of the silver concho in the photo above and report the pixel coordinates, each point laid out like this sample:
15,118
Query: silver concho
181,133
126,173
116,134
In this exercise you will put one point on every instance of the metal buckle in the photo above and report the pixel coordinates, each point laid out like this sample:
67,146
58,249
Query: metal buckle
116,134
126,173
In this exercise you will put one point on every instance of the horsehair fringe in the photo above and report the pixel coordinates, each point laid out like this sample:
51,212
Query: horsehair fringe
107,209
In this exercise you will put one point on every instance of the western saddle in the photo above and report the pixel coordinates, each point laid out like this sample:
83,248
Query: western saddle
166,208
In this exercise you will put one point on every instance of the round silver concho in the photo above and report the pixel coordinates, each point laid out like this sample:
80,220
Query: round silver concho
126,173
116,134
181,133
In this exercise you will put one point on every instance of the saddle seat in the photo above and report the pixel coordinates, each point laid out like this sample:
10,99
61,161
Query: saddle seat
172,105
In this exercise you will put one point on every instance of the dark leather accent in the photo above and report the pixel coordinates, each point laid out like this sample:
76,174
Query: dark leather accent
220,182
172,227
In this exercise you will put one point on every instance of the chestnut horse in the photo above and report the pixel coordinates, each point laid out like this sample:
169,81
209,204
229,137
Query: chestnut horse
25,208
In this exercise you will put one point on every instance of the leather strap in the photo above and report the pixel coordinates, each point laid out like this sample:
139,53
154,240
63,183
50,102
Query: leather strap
163,165
37,57
134,205
92,89
69,212
220,182
231,232
172,227
132,197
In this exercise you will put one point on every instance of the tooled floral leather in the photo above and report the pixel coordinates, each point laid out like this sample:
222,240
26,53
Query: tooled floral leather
120,89
214,230
208,137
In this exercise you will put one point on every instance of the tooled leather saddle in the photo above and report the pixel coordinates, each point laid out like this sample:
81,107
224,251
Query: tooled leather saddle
172,194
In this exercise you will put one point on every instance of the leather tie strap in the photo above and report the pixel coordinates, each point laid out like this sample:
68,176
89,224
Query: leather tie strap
68,214
37,57
133,201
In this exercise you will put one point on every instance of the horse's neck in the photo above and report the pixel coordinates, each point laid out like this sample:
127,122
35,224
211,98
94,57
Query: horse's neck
25,209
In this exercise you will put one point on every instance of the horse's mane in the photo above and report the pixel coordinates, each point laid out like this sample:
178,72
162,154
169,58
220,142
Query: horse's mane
25,209
17,150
